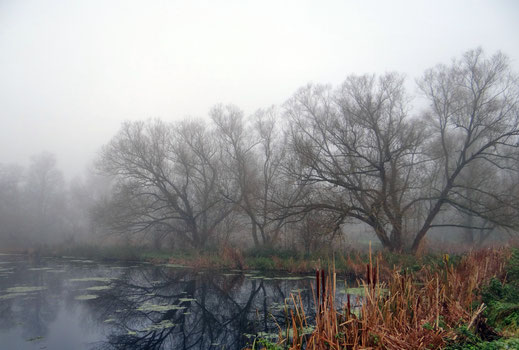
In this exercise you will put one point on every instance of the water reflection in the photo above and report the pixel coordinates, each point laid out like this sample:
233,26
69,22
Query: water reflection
84,305
162,308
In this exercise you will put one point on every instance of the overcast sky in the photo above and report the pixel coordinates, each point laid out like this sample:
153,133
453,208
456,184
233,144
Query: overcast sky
72,71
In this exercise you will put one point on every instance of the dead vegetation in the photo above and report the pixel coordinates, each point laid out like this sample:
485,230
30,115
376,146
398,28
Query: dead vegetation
422,310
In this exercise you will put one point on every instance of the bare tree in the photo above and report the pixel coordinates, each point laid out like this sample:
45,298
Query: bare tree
238,157
44,183
168,179
33,203
45,199
316,230
366,159
82,196
475,121
359,151
11,204
255,153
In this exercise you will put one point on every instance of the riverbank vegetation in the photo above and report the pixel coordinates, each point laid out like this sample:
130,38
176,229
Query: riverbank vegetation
471,304
348,263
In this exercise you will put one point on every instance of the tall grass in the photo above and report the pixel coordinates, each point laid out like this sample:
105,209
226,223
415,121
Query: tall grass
421,310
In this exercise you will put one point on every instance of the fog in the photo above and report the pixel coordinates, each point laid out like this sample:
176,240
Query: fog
86,85
71,72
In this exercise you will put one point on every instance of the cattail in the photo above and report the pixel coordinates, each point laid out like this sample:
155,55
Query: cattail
317,286
323,283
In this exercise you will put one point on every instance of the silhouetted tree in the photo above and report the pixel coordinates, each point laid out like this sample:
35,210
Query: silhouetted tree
167,177
359,151
368,160
474,118
254,155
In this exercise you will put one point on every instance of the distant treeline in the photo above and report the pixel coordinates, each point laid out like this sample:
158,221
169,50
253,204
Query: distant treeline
330,156
38,207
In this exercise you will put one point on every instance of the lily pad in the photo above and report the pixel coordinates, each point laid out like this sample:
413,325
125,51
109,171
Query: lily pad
304,331
86,297
161,325
98,288
186,299
266,335
355,291
35,339
92,279
298,290
24,289
360,291
11,295
277,306
159,308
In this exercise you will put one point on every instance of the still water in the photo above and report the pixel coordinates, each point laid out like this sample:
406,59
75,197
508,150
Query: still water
71,303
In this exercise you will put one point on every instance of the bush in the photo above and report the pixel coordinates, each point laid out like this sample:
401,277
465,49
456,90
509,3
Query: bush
267,252
261,263
502,299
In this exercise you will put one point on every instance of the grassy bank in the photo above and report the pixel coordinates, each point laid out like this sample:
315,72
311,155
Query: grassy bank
350,263
472,303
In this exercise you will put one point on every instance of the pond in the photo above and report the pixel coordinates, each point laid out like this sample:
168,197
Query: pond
72,303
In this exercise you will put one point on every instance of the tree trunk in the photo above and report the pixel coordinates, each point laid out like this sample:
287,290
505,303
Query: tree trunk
396,240
255,233
468,231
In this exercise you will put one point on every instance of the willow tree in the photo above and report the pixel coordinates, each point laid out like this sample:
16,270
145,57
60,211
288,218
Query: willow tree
474,118
168,179
359,150
367,159
255,154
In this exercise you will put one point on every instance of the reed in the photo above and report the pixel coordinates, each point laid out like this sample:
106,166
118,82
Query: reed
420,310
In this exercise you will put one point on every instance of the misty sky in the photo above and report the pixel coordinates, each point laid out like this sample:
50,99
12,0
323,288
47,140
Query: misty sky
72,71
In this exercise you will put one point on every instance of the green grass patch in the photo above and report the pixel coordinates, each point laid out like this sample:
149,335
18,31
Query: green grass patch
502,298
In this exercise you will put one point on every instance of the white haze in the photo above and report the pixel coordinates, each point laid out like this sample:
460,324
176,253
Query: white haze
72,71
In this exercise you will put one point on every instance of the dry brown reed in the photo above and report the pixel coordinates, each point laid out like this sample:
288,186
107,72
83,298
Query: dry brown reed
409,311
232,257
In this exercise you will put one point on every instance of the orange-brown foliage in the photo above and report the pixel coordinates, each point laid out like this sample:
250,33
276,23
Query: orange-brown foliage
406,312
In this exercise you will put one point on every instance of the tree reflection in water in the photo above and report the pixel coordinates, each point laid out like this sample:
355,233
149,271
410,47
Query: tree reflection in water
161,308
